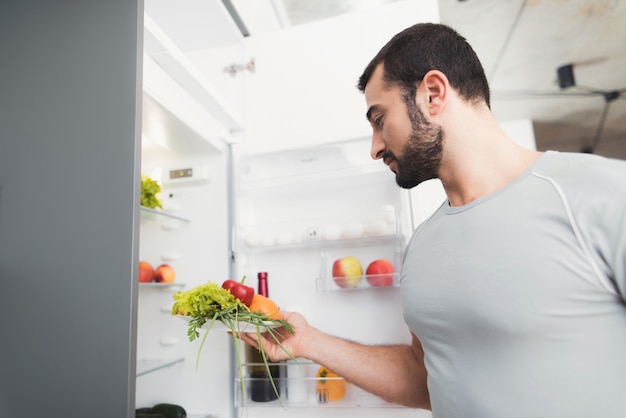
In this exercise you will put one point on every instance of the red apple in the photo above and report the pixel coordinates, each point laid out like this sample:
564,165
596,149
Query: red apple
380,273
146,272
347,271
164,274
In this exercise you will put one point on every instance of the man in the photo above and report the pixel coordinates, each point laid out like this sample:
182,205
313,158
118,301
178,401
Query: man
514,289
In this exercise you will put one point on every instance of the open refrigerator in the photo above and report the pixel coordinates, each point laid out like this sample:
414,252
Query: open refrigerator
284,198
296,212
290,213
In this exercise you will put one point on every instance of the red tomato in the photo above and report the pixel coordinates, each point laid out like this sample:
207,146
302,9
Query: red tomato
239,291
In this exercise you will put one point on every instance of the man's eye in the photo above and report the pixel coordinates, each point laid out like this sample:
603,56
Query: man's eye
378,121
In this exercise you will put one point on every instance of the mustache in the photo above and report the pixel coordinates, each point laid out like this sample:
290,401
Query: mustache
388,157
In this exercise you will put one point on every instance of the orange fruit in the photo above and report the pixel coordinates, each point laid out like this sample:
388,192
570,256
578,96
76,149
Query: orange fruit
264,305
332,389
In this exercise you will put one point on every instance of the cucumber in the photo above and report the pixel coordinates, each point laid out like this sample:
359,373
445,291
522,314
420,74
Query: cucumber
170,410
149,415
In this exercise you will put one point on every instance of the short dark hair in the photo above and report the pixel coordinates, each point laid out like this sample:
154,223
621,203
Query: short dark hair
410,54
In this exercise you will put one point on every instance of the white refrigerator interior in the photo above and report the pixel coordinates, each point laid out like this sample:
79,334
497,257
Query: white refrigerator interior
190,234
299,210
282,182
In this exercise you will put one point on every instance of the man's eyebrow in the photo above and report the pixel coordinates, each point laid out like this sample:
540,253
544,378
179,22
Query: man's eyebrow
371,110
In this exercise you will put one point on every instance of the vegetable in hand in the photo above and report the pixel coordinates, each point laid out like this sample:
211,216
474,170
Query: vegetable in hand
210,302
239,290
264,305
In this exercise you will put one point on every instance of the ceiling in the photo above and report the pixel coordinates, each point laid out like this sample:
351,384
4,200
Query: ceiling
521,43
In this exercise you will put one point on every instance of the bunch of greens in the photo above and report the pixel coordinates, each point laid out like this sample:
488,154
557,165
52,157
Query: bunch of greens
149,190
209,302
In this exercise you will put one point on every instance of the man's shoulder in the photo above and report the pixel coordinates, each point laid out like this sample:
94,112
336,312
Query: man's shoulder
578,169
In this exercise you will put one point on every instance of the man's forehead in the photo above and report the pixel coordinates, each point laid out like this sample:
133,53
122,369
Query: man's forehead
376,84
377,79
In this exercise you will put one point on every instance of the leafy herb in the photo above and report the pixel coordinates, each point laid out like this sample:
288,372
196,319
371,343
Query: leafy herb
149,190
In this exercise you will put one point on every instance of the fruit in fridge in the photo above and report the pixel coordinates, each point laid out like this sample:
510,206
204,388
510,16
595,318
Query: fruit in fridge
146,272
347,271
164,274
380,273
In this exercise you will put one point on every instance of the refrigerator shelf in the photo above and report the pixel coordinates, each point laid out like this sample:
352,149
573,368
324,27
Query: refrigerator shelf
162,286
366,281
311,392
147,366
381,227
322,244
148,214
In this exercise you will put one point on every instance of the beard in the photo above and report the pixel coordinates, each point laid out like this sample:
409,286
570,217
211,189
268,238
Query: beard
421,155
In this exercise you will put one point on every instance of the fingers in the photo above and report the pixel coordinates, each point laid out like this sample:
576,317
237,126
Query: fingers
248,338
253,340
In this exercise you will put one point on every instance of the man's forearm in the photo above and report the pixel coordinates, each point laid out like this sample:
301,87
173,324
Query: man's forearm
393,372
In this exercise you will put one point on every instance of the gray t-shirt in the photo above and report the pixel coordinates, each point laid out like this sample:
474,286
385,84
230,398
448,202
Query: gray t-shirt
519,297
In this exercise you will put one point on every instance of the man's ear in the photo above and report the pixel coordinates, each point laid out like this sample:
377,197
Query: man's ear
435,87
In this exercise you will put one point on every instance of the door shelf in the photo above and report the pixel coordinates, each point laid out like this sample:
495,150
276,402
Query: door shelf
147,366
366,281
310,392
378,228
321,244
299,386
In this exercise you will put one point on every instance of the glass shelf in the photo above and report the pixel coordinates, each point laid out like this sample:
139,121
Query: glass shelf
163,286
324,244
312,392
149,214
370,229
299,386
146,366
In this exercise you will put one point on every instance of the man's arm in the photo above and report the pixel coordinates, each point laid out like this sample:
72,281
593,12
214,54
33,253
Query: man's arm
396,373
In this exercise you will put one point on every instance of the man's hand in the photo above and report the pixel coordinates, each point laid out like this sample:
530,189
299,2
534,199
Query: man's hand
294,344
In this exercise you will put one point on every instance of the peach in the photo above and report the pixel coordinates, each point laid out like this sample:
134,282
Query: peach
164,274
146,272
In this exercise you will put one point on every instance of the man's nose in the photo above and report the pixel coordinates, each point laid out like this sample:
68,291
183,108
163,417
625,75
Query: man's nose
378,146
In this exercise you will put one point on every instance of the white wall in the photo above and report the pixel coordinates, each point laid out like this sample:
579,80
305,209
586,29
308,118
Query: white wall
303,90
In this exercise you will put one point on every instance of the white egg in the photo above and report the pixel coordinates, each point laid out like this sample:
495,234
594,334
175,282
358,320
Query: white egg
331,232
252,239
376,228
267,240
284,238
298,238
353,230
